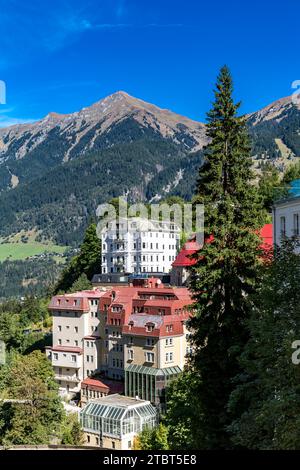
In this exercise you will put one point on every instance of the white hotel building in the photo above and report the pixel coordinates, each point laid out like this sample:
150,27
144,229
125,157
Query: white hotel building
286,215
138,246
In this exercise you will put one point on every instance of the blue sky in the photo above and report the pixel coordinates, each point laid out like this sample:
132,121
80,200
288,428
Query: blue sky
64,55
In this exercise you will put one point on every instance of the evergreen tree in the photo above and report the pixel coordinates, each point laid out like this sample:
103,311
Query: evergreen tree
87,262
226,270
269,384
82,283
182,407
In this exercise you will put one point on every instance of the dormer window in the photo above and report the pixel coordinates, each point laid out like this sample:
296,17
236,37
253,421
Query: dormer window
149,327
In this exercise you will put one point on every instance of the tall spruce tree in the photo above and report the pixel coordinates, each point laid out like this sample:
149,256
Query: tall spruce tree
226,269
87,262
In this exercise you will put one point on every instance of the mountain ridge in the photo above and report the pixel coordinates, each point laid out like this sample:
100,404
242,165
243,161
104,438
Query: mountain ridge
118,145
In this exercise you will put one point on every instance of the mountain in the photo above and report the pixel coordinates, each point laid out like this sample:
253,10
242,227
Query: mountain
55,172
29,150
275,133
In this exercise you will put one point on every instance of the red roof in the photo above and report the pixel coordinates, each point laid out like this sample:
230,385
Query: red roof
109,386
94,383
266,234
183,258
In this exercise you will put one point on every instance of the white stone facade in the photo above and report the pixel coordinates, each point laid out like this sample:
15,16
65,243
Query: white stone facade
139,246
286,219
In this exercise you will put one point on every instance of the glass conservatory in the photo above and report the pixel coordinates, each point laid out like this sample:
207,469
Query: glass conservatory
117,416
149,383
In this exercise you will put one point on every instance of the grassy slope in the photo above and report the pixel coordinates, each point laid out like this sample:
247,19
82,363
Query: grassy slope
20,251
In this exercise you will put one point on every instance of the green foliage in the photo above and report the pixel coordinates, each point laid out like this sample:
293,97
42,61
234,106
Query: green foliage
29,378
183,406
226,272
71,432
18,316
291,173
153,439
82,283
33,310
87,262
269,185
29,277
268,388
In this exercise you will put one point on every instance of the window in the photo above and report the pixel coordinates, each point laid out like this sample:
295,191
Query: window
130,354
87,344
59,327
150,357
282,226
73,358
97,441
171,356
113,444
55,356
75,342
76,329
92,358
150,342
59,341
87,358
296,224
149,328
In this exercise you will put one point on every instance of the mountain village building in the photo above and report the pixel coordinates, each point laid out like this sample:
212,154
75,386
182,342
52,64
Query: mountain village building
114,421
132,333
286,215
136,245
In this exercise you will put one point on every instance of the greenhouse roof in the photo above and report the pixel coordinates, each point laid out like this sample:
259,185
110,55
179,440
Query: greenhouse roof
168,371
116,406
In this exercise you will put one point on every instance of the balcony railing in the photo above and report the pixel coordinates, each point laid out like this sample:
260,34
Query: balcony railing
68,378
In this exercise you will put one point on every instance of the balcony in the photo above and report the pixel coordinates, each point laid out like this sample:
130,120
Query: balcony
119,262
66,359
67,378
